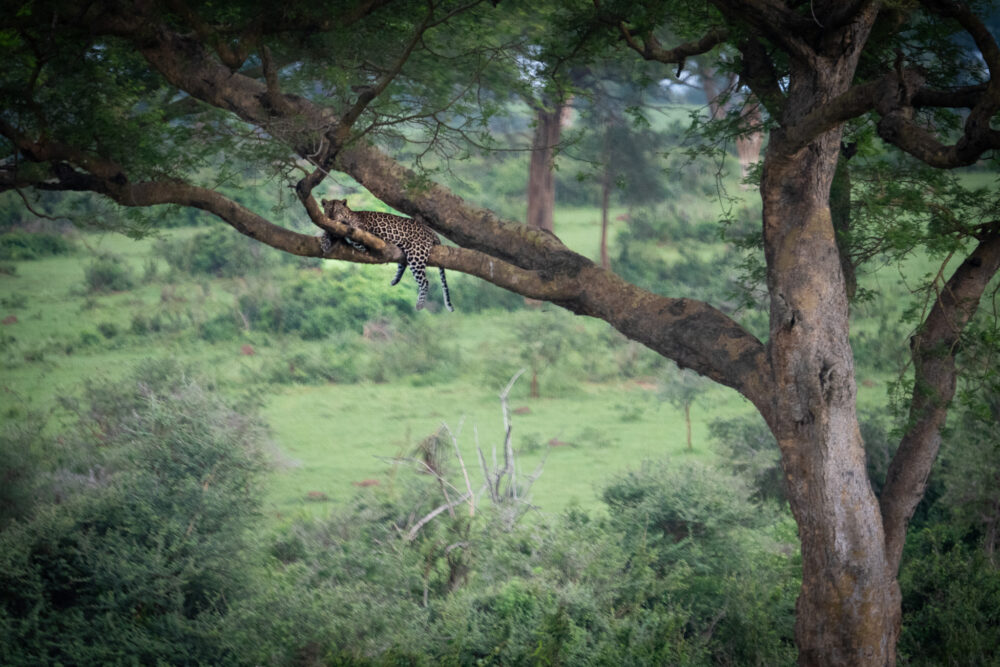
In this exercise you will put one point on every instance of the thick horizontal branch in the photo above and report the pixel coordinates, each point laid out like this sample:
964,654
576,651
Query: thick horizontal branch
964,97
468,226
934,348
899,129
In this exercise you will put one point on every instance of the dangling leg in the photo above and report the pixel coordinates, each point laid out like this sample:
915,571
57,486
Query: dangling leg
420,275
399,272
444,290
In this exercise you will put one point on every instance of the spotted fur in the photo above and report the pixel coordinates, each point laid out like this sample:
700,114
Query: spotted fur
413,237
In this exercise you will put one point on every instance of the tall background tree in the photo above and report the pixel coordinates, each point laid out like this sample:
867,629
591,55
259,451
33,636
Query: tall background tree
148,103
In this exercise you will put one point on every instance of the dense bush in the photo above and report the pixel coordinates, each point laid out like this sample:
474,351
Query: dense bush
19,245
749,449
951,600
472,295
219,251
108,272
668,224
712,275
569,590
22,451
317,305
421,350
342,361
140,561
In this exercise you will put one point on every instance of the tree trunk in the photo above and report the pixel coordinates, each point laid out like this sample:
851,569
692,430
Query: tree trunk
541,180
605,204
687,422
748,145
707,74
848,611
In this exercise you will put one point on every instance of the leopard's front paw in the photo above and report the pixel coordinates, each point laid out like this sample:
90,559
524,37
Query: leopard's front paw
325,242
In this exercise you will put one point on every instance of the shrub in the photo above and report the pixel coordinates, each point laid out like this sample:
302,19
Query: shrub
749,449
21,454
472,295
21,245
14,300
951,600
340,362
219,328
316,306
140,564
692,522
108,329
420,349
108,273
220,251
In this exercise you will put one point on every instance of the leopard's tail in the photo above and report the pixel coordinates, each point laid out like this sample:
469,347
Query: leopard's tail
444,290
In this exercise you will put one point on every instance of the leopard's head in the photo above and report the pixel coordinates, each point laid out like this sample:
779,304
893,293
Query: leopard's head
335,209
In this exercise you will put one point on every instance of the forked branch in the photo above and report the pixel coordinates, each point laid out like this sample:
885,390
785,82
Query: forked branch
934,349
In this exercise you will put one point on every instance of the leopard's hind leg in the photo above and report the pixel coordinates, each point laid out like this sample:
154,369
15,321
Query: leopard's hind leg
417,262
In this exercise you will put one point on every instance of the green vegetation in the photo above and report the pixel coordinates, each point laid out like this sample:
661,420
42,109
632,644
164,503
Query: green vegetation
132,486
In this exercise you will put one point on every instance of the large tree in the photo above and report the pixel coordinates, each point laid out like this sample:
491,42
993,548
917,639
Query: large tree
146,103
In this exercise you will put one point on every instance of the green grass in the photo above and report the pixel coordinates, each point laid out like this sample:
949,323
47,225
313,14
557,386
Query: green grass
333,438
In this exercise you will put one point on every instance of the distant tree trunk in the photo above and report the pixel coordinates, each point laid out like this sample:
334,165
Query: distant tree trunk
606,183
748,145
541,180
707,75
605,198
687,421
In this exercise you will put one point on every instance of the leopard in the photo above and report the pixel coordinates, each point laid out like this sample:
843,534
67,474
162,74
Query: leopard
410,235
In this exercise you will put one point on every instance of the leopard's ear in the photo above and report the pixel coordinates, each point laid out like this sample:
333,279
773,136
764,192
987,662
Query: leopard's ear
324,203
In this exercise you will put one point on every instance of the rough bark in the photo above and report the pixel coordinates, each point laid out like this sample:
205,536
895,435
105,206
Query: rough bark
848,611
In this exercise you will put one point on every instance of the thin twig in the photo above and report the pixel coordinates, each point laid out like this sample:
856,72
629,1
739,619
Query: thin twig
410,536
461,462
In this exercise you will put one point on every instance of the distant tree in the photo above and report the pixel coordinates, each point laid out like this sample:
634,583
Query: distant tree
541,192
681,391
155,103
